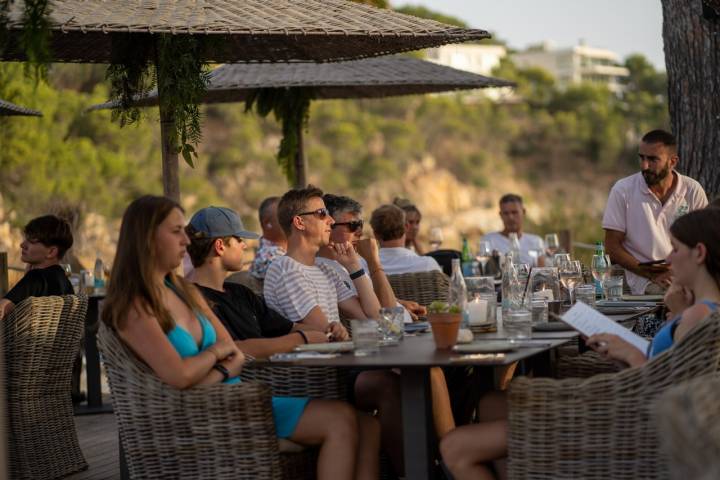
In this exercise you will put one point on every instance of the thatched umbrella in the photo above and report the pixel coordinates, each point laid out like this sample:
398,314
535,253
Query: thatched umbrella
8,109
368,78
248,30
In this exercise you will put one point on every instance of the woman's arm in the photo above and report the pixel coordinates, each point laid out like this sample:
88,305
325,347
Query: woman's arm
615,348
691,316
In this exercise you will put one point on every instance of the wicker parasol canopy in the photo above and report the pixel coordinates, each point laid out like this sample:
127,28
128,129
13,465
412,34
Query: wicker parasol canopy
248,30
8,109
368,78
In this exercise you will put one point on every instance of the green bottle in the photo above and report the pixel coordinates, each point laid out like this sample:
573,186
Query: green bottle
467,259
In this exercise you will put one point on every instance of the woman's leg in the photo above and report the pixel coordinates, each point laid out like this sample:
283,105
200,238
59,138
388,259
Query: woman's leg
368,455
334,426
380,390
467,449
441,408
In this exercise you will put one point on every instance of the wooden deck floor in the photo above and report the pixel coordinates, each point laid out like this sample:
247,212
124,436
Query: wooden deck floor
99,443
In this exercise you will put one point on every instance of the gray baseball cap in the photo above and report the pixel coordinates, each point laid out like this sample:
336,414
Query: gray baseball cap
216,222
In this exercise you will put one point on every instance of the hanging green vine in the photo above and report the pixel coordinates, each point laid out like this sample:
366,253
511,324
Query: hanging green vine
291,107
174,65
35,37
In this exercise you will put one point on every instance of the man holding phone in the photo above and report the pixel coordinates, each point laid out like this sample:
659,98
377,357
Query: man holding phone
640,210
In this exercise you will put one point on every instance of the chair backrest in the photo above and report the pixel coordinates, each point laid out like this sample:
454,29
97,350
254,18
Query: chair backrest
218,431
41,339
689,431
421,287
444,259
244,278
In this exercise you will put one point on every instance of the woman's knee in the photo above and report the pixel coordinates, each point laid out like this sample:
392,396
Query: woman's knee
342,420
451,448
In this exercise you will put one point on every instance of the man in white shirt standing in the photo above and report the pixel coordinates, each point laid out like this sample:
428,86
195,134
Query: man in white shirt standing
641,208
388,224
512,214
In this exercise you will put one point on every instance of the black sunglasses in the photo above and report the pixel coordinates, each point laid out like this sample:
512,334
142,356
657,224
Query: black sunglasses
353,226
319,213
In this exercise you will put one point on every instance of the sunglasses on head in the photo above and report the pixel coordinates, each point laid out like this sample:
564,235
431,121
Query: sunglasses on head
320,213
353,226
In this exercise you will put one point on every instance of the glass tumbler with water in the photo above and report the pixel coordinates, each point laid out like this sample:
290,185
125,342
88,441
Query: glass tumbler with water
366,338
392,323
613,288
518,324
586,294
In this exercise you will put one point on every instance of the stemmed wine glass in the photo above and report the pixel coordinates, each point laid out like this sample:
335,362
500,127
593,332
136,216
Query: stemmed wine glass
436,237
484,253
600,266
570,275
552,245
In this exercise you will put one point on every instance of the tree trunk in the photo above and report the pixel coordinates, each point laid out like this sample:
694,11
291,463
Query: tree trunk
692,57
300,170
170,164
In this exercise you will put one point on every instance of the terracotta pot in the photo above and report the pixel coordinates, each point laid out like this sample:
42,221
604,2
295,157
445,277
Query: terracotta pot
445,328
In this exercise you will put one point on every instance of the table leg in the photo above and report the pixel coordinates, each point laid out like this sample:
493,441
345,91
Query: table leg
92,362
417,425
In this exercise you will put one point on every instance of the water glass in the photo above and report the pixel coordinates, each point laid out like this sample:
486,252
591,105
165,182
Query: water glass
87,282
392,323
539,309
518,324
586,294
481,308
552,244
75,282
479,285
613,288
366,338
544,281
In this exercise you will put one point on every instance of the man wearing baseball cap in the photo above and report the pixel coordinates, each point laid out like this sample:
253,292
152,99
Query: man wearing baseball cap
216,248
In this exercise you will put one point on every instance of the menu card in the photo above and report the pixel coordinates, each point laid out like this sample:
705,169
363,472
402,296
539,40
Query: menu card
589,322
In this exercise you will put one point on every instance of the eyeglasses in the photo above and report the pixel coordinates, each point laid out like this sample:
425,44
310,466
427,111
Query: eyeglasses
320,213
353,226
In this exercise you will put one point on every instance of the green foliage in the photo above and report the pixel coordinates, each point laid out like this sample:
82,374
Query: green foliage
375,3
290,107
35,36
423,12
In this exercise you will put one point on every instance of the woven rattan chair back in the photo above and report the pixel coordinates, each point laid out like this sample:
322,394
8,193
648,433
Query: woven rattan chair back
602,427
41,338
421,287
291,381
687,417
218,431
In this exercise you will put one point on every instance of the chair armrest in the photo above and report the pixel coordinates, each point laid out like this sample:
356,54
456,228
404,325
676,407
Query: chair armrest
585,365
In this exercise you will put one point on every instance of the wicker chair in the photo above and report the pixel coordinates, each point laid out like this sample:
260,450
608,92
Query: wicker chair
41,338
687,421
218,431
293,381
421,287
602,427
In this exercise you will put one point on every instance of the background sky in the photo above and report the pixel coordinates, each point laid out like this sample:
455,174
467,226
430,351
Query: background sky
623,26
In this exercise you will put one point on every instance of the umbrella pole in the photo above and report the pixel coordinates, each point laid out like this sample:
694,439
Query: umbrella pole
300,171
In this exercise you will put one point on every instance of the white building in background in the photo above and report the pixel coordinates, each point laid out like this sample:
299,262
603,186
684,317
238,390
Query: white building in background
474,58
576,64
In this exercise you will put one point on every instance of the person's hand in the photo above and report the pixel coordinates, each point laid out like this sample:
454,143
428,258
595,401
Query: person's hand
6,306
416,310
223,349
234,363
315,336
369,250
664,279
615,348
678,298
652,271
346,256
337,332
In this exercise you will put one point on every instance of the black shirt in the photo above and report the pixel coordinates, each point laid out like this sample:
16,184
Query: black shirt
244,314
41,282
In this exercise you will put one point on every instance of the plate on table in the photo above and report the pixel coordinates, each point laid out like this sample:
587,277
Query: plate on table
492,346
332,347
552,327
416,327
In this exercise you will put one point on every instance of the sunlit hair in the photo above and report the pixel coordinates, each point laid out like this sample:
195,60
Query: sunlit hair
661,136
339,204
51,231
131,281
294,202
388,222
510,198
701,226
406,205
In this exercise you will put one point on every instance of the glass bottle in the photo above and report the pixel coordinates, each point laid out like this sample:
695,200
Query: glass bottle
457,293
99,274
467,259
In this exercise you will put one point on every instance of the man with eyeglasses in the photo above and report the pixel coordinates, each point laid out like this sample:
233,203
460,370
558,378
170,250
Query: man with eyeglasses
216,249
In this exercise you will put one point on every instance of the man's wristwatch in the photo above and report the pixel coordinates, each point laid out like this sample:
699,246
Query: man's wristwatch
224,371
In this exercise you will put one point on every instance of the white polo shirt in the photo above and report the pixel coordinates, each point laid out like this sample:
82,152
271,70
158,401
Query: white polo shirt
527,241
397,260
634,210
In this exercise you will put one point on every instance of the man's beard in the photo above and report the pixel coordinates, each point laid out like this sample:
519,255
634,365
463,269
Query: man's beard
652,178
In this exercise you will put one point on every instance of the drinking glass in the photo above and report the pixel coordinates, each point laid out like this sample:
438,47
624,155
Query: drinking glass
481,308
365,337
613,288
561,259
600,267
436,237
518,324
539,308
392,323
570,275
552,244
484,253
479,285
585,294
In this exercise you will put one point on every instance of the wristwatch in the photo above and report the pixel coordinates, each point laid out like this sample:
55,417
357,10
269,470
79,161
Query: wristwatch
224,371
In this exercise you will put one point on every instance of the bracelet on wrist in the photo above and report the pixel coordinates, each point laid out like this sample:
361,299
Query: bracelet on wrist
223,370
358,274
302,334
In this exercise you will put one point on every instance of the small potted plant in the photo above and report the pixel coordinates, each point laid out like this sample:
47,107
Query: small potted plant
445,321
